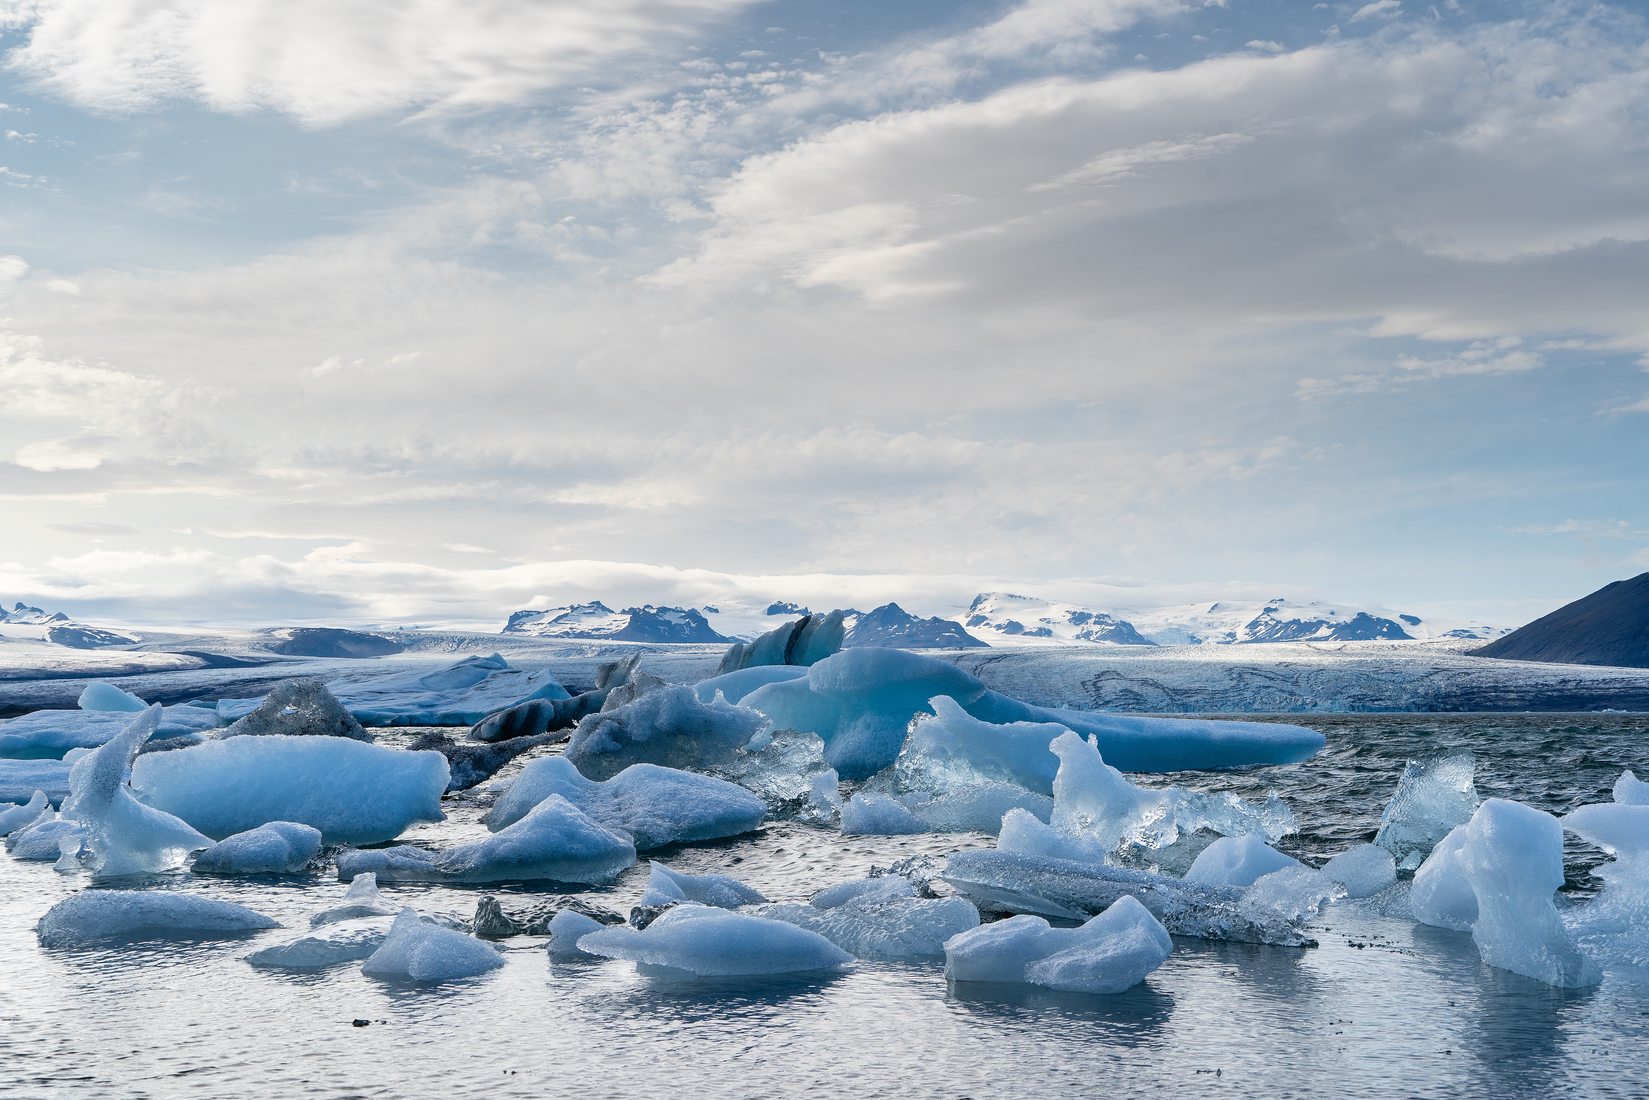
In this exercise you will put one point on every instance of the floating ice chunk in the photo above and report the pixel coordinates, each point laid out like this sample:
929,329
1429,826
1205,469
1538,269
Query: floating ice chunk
871,814
884,929
299,708
1111,952
469,764
1631,790
554,842
1012,882
1513,859
19,779
122,836
806,641
1432,797
876,888
786,769
278,848
861,701
100,916
566,927
978,809
335,942
354,793
98,695
950,749
539,716
734,686
49,734
417,951
1441,895
667,725
1363,869
1289,895
710,942
362,899
1238,861
655,806
1022,832
16,817
1614,926
43,839
668,887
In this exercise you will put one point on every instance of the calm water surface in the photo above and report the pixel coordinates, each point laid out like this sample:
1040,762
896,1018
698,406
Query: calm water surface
1381,1008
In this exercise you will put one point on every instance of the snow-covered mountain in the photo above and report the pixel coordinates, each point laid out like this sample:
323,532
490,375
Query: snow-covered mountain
633,624
1008,616
23,615
895,628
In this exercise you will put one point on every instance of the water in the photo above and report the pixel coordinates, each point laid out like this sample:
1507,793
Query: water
1381,1008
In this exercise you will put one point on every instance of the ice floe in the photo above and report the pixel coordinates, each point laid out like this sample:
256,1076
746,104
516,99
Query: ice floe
648,722
416,950
1109,953
709,942
275,848
100,916
1432,797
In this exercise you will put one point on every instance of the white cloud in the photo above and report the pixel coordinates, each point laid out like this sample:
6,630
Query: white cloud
58,454
1378,9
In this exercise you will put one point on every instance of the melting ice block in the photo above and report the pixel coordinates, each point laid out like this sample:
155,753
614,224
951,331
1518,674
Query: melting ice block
45,838
1111,952
333,943
121,835
669,887
1238,861
15,817
1441,895
806,641
655,806
1614,926
701,940
1363,869
1432,797
734,686
98,916
104,711
663,724
786,769
99,695
418,951
1630,790
870,814
354,793
882,925
361,900
566,928
861,702
278,848
1014,882
554,842
299,708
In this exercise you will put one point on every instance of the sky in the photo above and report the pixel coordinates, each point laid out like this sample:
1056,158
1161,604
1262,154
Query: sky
426,310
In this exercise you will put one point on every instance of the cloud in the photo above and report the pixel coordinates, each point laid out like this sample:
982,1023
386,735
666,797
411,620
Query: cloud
325,63
58,454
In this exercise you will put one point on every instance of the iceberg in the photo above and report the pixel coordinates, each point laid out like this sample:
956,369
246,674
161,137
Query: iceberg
1630,790
861,702
709,942
469,764
806,641
278,848
566,928
870,814
540,716
668,887
787,770
333,943
734,686
99,695
1363,869
417,951
121,835
461,694
101,916
875,926
1111,952
298,708
655,806
1023,832
554,842
104,711
1432,797
1014,882
362,900
1615,924
1238,861
19,779
46,838
17,817
648,722
354,793
1441,895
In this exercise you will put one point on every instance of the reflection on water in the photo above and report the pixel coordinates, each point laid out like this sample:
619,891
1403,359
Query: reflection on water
1381,1008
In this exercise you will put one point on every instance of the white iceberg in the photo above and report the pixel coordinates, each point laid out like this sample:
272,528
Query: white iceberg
417,951
361,900
655,806
122,836
16,817
566,928
1238,861
333,943
277,848
99,916
881,925
1363,869
1432,797
870,814
1111,952
861,702
45,838
1615,924
670,887
1630,790
1441,895
354,793
554,842
734,686
710,942
646,722
99,695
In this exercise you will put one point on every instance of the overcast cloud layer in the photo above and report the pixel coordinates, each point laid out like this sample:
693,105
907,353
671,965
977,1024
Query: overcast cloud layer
389,311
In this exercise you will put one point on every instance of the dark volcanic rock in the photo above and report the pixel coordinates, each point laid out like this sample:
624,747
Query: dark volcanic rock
85,637
1609,627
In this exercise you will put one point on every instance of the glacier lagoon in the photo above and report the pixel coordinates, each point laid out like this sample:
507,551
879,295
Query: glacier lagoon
1382,1006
